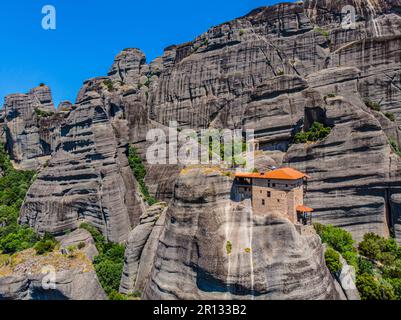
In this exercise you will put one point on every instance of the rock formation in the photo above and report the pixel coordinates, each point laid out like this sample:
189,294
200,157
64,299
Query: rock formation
55,276
30,126
276,70
210,247
88,178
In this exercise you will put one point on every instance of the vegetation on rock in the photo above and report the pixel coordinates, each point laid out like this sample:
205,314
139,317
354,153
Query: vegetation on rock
390,116
42,113
13,187
373,105
316,133
108,264
395,147
377,262
139,170
332,258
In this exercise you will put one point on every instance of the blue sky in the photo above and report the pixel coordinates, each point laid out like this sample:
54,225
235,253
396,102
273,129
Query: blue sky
91,32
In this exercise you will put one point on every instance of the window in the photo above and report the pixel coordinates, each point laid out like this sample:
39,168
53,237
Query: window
261,191
268,184
269,194
263,202
274,185
278,200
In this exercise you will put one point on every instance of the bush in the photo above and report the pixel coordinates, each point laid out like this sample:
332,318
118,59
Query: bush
139,171
390,116
332,258
21,239
109,263
109,273
229,247
368,287
396,284
323,32
339,239
365,266
395,147
370,247
114,295
44,246
42,113
380,249
109,84
14,185
316,133
373,105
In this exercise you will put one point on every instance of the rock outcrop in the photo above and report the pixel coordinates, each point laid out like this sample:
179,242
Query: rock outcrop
58,275
88,178
211,247
31,127
136,264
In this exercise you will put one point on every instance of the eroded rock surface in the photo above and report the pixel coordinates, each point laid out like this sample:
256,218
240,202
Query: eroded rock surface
88,178
268,258
31,127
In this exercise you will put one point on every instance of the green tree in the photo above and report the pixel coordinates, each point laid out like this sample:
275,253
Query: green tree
368,287
332,258
316,133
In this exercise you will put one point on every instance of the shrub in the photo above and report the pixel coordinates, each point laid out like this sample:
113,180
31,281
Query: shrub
109,273
380,249
114,295
316,133
109,84
331,95
139,171
42,113
332,258
365,266
337,238
352,258
229,247
81,245
395,147
13,186
368,287
370,246
109,263
396,284
21,239
373,105
44,246
390,116
323,32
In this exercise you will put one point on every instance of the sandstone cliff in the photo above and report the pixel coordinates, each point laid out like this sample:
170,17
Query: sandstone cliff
59,275
208,246
88,178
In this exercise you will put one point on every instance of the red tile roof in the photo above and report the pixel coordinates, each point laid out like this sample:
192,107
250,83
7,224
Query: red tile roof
304,209
278,174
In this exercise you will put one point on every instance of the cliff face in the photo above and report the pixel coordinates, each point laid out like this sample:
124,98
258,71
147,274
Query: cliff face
88,178
53,276
207,246
31,127
275,70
